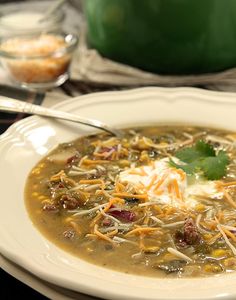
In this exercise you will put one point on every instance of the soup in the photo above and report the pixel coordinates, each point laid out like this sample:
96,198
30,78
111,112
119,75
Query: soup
158,202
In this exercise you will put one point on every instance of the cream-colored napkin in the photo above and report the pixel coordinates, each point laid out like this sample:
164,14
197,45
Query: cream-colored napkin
89,65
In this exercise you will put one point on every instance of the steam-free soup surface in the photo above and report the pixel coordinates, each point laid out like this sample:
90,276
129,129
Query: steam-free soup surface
158,202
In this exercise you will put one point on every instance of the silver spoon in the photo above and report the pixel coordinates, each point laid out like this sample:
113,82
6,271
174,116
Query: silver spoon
10,105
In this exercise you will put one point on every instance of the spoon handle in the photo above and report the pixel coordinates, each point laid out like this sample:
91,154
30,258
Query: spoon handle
10,105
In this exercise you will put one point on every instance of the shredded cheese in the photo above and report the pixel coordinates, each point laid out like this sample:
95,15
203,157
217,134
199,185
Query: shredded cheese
179,254
226,239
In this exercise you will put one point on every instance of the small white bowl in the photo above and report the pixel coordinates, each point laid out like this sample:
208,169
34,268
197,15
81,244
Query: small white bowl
24,17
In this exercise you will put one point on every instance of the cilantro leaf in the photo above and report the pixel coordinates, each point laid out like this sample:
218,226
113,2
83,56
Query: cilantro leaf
215,167
204,149
187,168
202,158
199,150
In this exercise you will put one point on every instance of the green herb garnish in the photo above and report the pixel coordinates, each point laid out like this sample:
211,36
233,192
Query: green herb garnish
202,158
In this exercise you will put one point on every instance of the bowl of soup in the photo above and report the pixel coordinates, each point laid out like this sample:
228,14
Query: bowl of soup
149,215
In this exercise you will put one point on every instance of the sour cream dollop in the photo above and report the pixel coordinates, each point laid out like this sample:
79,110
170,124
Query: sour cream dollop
168,185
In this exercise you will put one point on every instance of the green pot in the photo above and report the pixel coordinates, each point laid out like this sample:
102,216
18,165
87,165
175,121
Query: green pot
165,36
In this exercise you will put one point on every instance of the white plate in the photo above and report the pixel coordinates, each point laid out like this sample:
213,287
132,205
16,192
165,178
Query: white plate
30,139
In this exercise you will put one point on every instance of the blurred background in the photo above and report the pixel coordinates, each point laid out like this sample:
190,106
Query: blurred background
157,42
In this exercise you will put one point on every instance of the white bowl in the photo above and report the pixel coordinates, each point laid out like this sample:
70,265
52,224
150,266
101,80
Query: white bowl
29,140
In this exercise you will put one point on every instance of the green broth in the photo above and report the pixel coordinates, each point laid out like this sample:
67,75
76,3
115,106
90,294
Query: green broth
76,198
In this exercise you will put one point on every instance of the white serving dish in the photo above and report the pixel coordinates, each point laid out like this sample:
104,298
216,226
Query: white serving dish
29,140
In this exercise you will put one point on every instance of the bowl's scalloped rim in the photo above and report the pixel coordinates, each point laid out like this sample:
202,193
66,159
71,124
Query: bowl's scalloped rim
168,93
